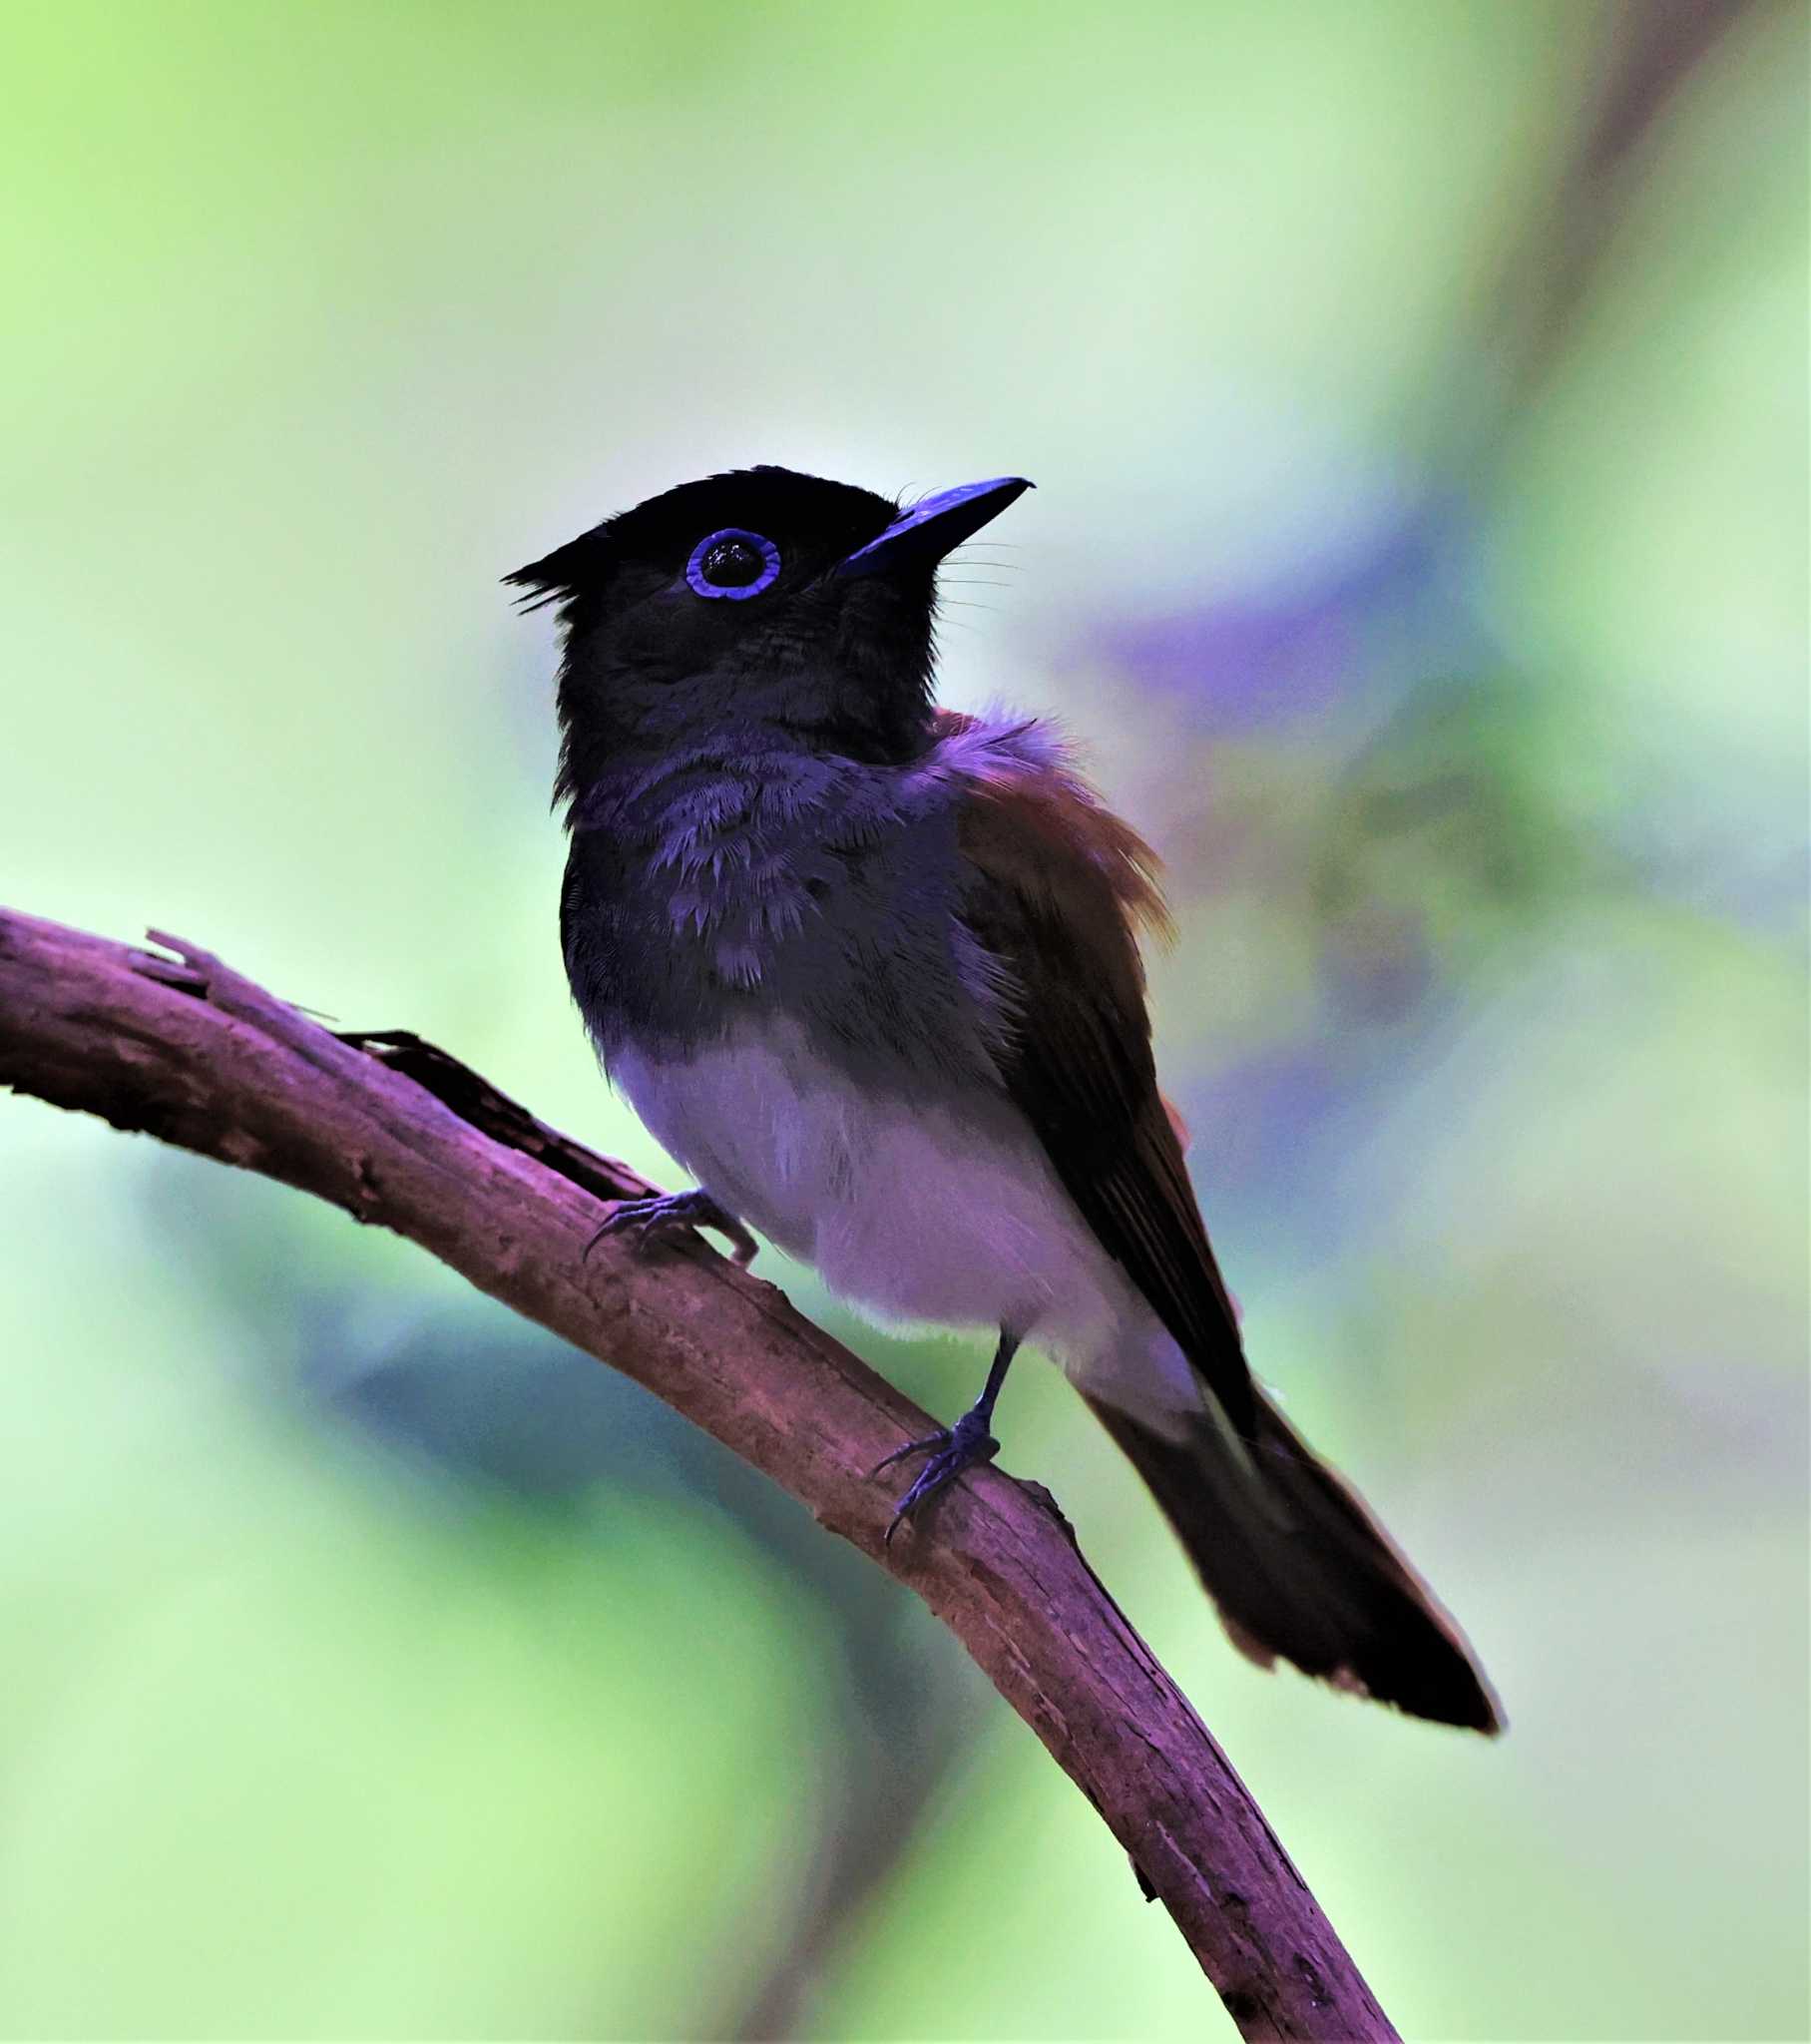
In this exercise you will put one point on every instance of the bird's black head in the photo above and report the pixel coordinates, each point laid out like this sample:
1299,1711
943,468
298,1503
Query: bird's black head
762,598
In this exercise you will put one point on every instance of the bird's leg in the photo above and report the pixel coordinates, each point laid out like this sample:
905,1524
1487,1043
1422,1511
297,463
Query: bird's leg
661,1215
952,1449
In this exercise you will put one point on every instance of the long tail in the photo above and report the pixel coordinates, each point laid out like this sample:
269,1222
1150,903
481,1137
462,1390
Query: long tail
1299,1568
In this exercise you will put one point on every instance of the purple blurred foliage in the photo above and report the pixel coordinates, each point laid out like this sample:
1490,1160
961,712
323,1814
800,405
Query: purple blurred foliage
1266,1122
1267,1168
1277,1126
1310,642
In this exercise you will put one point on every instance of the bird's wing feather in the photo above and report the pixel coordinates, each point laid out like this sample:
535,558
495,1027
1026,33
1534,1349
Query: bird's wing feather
1056,885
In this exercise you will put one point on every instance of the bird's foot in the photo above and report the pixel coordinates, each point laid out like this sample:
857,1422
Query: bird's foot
660,1216
950,1449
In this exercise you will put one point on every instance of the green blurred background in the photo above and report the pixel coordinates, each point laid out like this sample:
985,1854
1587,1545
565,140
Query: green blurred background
1417,391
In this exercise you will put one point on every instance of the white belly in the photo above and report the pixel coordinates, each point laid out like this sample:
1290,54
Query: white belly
915,1214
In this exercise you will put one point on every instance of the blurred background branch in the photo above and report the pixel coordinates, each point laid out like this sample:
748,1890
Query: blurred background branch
404,1137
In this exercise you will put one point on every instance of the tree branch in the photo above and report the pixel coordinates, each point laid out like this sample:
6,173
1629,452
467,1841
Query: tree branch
397,1132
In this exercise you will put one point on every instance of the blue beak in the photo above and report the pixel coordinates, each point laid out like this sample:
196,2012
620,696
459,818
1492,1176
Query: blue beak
922,536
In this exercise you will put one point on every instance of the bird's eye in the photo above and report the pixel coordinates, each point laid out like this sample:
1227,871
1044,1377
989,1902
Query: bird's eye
732,563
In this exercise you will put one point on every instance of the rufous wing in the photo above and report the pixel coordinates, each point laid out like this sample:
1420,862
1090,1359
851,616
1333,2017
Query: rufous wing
1056,887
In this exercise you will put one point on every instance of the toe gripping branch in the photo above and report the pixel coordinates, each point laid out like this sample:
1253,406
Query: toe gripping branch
662,1217
952,1449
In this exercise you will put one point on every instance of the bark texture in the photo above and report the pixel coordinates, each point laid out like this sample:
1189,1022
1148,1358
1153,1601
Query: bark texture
176,1044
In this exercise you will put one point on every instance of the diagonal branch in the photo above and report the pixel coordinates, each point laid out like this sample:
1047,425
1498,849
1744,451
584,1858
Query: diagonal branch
397,1132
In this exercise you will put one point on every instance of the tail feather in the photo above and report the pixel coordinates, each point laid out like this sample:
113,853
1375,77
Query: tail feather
1299,1568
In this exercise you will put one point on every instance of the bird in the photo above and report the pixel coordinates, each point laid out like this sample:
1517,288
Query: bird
870,970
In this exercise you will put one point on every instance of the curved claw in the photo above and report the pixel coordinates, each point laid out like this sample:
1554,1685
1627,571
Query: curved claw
966,1445
929,1445
661,1215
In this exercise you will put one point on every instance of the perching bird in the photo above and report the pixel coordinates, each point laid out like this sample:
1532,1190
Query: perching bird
868,970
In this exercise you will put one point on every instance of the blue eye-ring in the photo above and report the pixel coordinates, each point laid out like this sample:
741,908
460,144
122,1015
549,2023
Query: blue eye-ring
732,563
